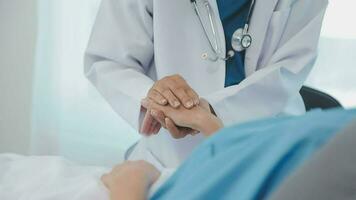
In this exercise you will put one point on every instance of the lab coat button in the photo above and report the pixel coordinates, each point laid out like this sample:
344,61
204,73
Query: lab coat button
204,56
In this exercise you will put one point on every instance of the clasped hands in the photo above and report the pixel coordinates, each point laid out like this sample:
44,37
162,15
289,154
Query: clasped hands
172,104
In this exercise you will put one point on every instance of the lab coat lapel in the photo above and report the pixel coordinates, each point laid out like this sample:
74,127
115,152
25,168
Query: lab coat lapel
221,34
258,29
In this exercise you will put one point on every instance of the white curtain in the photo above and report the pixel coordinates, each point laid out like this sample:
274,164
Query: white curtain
335,69
69,117
72,120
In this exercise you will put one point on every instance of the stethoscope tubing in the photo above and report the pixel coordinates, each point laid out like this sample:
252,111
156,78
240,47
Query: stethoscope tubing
250,11
215,47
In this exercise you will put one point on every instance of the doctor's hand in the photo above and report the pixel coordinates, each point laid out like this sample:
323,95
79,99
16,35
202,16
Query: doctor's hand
154,120
171,91
175,91
199,118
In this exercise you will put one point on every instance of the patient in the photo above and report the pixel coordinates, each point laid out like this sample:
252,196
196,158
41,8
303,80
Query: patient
241,162
256,160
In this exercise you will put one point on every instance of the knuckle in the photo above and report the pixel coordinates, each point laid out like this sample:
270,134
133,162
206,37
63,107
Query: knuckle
187,100
178,76
171,97
166,92
152,93
192,93
155,95
175,77
160,90
155,90
160,116
189,90
179,89
168,78
156,85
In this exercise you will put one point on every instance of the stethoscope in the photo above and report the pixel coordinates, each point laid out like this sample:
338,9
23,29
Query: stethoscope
241,39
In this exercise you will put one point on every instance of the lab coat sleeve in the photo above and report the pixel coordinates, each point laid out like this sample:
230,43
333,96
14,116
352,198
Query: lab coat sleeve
268,91
119,55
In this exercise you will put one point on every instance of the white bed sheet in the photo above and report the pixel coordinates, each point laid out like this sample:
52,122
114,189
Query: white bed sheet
49,178
54,178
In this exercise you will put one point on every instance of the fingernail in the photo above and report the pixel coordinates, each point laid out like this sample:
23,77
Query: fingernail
176,104
153,113
166,120
189,104
164,101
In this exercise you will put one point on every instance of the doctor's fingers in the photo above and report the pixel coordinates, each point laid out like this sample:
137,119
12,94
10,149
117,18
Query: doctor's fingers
183,91
194,95
177,91
166,93
157,97
183,95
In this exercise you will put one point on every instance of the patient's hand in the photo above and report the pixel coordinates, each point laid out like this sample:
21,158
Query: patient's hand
131,180
197,118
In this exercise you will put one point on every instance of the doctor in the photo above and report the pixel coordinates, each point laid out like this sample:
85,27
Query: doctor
246,60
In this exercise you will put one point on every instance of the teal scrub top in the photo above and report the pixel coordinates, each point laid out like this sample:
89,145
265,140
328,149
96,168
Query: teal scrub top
233,14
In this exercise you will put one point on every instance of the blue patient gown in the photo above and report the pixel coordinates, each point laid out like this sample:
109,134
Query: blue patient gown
249,161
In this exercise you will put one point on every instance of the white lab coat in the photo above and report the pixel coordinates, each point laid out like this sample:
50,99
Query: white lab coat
136,42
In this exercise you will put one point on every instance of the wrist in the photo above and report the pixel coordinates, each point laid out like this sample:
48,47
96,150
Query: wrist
212,125
207,123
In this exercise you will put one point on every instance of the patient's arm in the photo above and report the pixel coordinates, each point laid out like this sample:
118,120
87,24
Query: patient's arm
197,118
131,180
